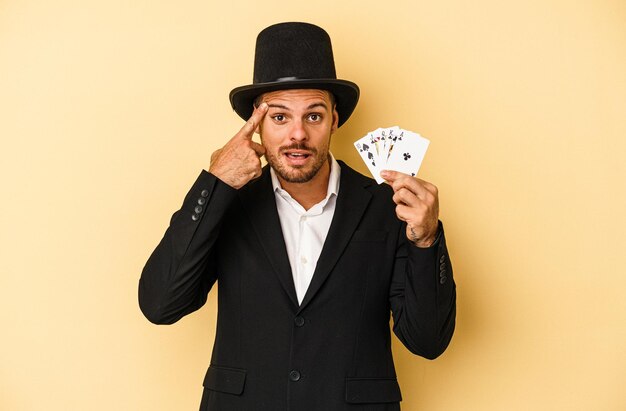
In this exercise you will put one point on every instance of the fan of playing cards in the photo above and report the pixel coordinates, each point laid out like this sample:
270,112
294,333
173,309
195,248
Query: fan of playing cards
392,148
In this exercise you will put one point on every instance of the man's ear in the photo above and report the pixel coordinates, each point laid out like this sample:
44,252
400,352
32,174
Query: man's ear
334,126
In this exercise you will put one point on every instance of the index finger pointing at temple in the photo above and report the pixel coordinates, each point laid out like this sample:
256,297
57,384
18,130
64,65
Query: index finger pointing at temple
255,119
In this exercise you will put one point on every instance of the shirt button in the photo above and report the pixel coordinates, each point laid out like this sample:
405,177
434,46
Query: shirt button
442,280
299,321
442,259
303,260
294,375
204,193
303,218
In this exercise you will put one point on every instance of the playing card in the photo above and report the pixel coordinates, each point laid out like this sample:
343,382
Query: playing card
396,138
367,150
392,148
407,153
388,138
375,141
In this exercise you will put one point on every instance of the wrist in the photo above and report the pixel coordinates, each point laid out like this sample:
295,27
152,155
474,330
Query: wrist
427,240
424,243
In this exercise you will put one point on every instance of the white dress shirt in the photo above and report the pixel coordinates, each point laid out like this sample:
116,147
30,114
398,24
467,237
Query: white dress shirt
305,230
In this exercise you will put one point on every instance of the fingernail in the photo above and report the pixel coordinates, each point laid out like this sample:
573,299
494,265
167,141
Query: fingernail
384,173
263,106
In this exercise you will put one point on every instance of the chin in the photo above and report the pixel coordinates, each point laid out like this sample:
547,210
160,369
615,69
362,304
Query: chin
296,175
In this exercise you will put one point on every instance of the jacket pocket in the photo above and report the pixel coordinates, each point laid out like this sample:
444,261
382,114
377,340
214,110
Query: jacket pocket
223,379
372,390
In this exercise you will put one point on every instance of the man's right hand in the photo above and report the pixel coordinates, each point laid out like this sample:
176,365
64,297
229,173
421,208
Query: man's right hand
239,161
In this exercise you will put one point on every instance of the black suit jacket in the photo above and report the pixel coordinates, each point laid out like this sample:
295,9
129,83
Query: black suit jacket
333,351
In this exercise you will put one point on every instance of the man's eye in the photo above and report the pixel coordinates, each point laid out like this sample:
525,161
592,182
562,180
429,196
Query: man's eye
278,117
315,117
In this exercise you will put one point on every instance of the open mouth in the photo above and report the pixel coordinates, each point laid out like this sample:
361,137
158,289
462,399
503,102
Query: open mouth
297,157
293,155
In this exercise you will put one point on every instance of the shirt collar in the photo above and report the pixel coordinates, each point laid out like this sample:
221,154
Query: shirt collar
333,179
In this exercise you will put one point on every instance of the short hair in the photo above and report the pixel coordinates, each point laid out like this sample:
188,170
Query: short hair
257,100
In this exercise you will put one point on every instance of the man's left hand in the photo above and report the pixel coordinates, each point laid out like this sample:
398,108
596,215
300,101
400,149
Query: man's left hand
417,205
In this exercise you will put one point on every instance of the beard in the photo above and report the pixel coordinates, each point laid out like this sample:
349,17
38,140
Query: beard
298,174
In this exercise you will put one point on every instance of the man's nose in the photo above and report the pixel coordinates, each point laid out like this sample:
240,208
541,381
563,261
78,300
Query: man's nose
298,132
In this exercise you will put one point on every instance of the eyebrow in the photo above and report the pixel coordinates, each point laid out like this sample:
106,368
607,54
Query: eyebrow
319,104
279,106
312,106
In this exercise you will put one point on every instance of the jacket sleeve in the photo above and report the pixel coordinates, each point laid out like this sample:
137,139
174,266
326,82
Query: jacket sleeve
423,296
180,272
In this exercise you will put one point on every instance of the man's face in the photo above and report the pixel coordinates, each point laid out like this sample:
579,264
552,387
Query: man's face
296,132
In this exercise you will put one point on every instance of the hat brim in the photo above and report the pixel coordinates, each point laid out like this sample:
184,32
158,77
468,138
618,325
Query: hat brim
346,94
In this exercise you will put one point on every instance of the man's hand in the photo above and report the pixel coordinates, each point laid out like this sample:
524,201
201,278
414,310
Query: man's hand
239,161
417,204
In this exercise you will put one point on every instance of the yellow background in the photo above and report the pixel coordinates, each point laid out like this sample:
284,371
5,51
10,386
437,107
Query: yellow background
110,109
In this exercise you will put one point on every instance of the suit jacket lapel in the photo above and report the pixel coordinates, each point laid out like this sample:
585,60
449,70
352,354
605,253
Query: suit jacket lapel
351,204
260,204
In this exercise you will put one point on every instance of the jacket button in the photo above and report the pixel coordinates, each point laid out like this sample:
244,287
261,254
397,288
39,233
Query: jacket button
294,375
443,273
198,209
442,266
195,217
442,259
204,193
299,321
201,200
442,280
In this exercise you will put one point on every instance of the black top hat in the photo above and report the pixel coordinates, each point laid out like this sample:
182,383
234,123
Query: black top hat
294,56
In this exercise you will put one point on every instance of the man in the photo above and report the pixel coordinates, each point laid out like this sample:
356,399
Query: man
310,257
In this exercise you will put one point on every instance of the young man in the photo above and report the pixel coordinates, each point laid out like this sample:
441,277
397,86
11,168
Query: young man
310,257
